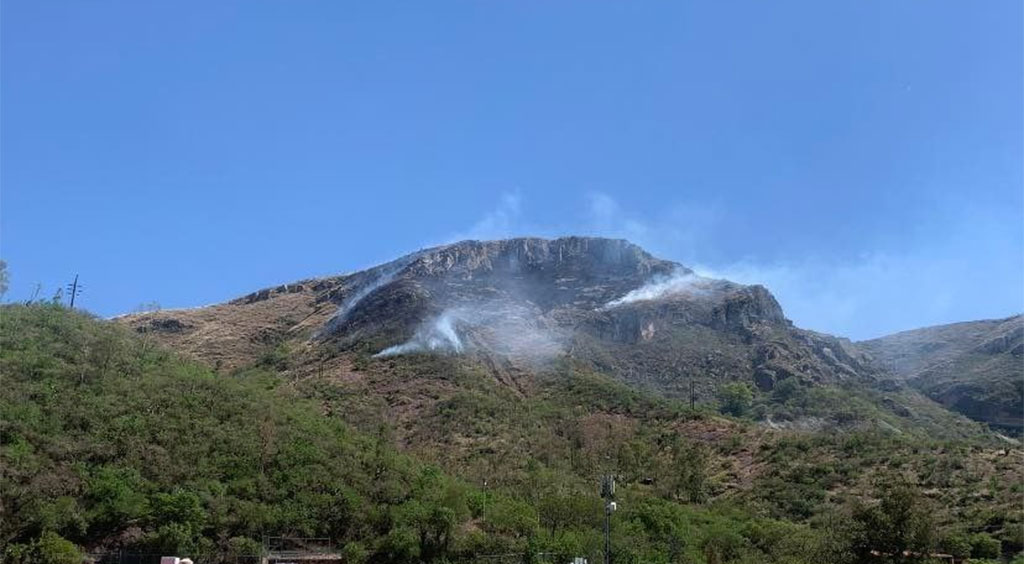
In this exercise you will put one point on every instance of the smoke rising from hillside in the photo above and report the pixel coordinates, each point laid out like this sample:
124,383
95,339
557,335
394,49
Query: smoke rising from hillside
382,276
495,328
680,282
439,335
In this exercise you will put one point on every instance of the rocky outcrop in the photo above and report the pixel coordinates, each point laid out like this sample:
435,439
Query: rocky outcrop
747,307
572,274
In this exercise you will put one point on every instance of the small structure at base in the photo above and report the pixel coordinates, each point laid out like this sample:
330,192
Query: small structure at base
299,550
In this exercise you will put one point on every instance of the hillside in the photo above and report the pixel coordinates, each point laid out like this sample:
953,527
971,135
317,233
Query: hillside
975,367
496,382
515,308
520,304
111,442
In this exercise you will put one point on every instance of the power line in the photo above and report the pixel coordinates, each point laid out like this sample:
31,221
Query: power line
74,289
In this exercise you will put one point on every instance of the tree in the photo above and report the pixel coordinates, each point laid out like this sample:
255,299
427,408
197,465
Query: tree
787,389
722,543
687,474
50,548
244,546
984,546
958,545
355,553
735,398
566,511
899,523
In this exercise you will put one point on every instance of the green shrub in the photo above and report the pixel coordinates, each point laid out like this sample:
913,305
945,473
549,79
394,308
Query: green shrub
512,517
355,553
984,546
244,546
958,545
735,398
49,548
787,389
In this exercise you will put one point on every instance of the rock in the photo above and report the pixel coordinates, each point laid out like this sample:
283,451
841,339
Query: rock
164,325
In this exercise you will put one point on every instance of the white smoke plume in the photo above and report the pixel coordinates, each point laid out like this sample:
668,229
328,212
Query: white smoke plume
382,276
680,282
437,336
503,329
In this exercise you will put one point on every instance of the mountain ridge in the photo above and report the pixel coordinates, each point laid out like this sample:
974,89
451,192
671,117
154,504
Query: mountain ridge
568,293
973,367
518,307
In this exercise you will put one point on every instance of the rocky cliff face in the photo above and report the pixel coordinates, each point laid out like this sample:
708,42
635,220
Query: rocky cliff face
528,302
601,301
976,367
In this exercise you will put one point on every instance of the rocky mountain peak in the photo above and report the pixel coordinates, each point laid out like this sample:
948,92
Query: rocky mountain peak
585,272
531,256
606,302
582,297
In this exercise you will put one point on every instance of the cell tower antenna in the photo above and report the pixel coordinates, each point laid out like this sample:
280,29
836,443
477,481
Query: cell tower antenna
608,493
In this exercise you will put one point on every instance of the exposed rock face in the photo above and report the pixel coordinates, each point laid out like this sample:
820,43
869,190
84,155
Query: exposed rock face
746,308
603,301
534,277
976,368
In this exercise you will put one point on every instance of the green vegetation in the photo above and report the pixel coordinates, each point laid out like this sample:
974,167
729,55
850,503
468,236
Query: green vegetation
108,442
735,398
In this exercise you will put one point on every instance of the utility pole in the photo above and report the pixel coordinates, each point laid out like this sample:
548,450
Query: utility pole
692,396
74,289
608,493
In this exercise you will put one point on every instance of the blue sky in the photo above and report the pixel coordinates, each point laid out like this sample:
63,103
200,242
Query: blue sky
863,159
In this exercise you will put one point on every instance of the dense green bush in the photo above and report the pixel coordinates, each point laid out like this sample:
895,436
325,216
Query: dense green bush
984,546
49,548
735,398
